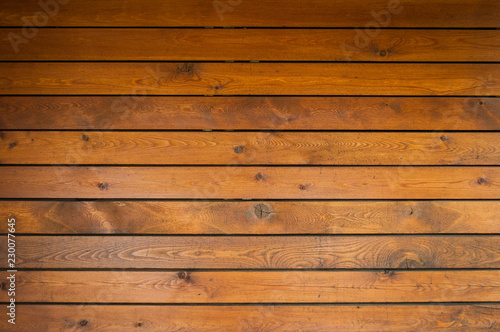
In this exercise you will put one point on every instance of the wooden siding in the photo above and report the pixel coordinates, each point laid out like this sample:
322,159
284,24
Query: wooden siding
228,165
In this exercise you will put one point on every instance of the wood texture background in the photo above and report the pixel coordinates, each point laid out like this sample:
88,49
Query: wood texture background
251,165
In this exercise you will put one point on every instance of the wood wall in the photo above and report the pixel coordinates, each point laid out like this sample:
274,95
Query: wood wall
260,165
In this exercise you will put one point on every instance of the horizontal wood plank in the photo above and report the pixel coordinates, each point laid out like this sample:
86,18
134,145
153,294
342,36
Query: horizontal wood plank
247,113
261,252
256,287
253,44
252,217
269,318
87,78
191,182
249,148
257,13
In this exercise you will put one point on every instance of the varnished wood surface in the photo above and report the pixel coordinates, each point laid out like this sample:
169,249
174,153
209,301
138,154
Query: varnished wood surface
250,113
191,182
257,287
249,148
258,252
434,317
253,217
227,165
254,44
84,78
259,13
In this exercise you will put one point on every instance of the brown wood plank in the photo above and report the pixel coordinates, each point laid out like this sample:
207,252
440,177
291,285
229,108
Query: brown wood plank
257,13
268,317
282,113
191,182
254,44
86,78
252,217
249,148
257,252
256,287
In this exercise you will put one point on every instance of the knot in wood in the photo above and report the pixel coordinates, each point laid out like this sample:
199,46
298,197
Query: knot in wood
262,211
481,181
186,68
260,176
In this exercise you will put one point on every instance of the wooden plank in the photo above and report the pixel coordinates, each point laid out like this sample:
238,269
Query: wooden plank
258,13
257,252
249,148
256,287
252,217
268,317
192,182
247,113
254,44
86,78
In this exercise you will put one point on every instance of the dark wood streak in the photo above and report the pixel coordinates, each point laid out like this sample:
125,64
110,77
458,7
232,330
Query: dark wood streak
260,13
281,113
259,44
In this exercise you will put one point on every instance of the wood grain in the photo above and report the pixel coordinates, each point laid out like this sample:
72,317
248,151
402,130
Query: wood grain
249,148
257,252
254,44
250,113
258,13
87,78
252,217
192,182
256,287
328,318
351,181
